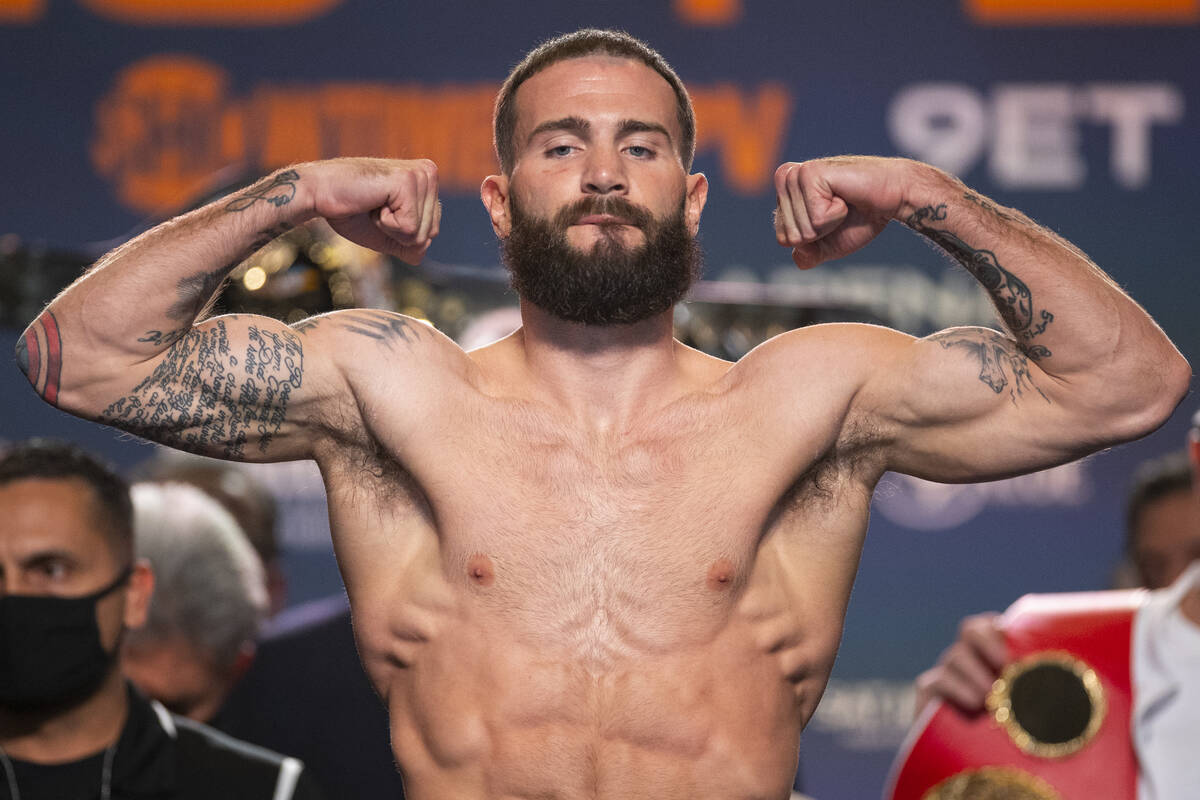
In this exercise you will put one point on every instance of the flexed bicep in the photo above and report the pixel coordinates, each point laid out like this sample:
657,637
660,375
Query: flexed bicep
968,404
237,387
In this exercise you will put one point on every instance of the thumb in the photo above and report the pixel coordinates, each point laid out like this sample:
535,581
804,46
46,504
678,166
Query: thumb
808,255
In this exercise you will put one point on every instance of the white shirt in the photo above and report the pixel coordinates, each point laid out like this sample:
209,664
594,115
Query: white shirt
1166,697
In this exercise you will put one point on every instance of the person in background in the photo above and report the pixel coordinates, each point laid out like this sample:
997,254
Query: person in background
1163,544
71,589
242,495
199,637
1162,537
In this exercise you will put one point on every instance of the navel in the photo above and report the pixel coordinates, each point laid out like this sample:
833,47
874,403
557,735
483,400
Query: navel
720,575
480,570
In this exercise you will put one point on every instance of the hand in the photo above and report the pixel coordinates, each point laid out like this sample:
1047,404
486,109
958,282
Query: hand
387,205
967,669
830,207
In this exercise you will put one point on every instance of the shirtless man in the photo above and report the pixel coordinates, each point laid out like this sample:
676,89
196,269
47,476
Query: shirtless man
587,561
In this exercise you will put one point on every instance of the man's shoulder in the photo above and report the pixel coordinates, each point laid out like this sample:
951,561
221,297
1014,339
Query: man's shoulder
362,331
832,359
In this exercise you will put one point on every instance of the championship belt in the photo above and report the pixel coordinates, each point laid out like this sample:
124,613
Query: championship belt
1057,725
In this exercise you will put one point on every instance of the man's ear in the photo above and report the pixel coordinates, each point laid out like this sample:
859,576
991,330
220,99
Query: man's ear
694,200
137,598
494,194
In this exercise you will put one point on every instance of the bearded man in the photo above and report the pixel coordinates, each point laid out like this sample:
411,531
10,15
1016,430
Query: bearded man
587,561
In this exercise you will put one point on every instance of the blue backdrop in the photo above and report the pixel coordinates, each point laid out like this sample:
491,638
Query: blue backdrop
118,110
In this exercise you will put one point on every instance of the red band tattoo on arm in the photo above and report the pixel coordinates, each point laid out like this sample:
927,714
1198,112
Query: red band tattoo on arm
44,345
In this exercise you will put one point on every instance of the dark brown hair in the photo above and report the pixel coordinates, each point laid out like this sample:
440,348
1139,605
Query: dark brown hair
54,460
586,42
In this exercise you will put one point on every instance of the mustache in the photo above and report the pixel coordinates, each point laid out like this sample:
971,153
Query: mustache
615,206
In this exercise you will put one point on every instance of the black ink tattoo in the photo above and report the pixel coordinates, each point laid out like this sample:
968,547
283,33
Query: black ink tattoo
382,326
268,235
163,338
204,399
196,292
1011,295
278,190
1001,364
305,325
989,206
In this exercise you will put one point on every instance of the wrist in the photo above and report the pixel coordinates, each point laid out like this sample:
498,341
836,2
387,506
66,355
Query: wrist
925,186
303,206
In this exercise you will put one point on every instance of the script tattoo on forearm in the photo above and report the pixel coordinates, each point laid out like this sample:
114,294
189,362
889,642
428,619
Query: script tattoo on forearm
1001,365
163,338
206,398
382,326
278,190
39,356
1011,295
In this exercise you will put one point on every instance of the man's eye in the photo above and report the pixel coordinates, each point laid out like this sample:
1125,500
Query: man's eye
53,569
638,151
561,150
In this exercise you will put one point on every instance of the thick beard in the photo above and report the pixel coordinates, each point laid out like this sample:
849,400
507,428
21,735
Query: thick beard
611,284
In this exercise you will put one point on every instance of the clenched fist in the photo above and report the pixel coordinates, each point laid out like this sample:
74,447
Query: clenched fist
387,205
830,207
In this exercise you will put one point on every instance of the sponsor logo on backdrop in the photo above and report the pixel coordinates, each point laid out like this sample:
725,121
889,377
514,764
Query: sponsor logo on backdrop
239,13
170,122
708,13
866,714
1030,134
924,505
1075,12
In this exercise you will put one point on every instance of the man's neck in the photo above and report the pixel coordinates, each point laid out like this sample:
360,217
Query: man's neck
605,375
69,734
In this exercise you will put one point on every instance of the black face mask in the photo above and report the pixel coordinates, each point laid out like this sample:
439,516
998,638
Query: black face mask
50,651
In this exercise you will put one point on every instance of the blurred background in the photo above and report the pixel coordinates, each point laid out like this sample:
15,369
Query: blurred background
120,113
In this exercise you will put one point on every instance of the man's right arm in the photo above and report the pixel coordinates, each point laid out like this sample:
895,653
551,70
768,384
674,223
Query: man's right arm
123,344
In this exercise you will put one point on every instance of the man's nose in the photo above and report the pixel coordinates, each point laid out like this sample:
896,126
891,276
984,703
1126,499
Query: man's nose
604,173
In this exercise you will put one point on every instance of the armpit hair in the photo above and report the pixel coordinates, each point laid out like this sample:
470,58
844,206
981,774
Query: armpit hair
852,457
368,465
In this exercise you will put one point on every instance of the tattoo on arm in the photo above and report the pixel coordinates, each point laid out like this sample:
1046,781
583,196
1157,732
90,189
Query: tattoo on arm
205,398
1011,295
268,235
197,292
305,325
382,326
1001,365
39,355
163,338
278,190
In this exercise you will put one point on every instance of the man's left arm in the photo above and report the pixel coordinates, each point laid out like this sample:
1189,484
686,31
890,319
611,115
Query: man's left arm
1079,365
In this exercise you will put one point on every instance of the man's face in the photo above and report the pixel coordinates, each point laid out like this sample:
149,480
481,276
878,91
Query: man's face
51,544
1167,538
599,217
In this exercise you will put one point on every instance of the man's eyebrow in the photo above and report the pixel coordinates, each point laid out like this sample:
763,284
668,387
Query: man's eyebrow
576,125
627,126
39,557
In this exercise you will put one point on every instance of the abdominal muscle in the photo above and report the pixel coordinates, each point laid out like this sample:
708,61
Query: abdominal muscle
486,706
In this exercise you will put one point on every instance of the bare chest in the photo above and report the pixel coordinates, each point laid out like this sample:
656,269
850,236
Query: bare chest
638,542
